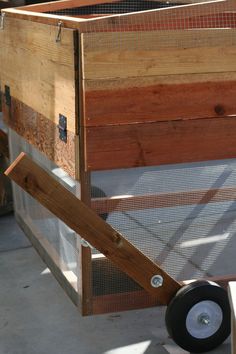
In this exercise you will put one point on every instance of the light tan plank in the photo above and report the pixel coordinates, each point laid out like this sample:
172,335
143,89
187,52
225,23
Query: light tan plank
39,71
141,54
85,222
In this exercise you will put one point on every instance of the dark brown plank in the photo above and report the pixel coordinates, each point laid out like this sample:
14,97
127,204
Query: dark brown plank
159,143
123,302
4,149
84,221
41,133
163,200
141,299
158,102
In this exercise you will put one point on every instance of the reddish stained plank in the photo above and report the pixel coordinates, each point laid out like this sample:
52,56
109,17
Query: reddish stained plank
159,143
160,103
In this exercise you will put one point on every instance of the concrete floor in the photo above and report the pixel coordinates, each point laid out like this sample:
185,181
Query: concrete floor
36,316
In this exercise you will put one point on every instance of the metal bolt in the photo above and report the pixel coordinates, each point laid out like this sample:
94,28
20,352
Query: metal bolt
156,281
2,17
204,319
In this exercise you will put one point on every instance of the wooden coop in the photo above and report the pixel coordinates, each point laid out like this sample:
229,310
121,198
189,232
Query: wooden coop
129,106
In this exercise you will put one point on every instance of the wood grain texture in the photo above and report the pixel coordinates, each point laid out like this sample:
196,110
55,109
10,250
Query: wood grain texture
41,133
4,148
159,143
39,184
163,200
141,54
139,103
40,72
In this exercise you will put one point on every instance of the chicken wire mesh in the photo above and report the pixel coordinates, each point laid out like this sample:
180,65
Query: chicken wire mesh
139,15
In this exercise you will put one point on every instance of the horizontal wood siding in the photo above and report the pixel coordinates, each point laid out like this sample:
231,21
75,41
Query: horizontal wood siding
141,54
139,100
41,133
40,72
147,144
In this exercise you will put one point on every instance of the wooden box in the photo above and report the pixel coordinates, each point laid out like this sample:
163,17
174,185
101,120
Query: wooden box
107,90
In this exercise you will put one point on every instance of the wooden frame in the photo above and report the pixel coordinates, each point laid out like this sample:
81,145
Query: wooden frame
151,111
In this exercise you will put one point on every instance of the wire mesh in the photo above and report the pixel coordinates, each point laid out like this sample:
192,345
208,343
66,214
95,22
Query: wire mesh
139,15
49,229
190,239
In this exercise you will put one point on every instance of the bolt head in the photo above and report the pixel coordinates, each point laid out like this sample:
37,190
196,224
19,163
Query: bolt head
156,281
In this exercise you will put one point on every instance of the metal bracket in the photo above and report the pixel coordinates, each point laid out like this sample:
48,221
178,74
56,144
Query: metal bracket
85,243
7,95
2,17
62,126
58,36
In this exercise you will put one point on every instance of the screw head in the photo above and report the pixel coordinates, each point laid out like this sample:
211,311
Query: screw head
156,281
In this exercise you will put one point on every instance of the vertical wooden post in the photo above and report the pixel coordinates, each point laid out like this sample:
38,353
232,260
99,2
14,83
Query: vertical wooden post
84,259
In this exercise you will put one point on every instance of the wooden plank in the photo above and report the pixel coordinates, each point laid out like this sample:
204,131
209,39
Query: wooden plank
163,200
141,54
140,299
123,302
159,143
84,257
41,133
91,227
139,100
4,149
39,71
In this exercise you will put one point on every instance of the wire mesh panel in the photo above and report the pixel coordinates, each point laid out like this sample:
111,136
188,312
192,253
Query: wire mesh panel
180,216
56,237
153,15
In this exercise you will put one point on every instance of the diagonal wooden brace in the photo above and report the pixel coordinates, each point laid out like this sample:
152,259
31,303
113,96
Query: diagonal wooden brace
84,221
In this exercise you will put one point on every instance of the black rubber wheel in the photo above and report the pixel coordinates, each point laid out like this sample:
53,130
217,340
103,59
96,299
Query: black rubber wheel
198,317
97,192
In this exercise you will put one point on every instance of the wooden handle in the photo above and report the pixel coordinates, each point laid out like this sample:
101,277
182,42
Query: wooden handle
84,221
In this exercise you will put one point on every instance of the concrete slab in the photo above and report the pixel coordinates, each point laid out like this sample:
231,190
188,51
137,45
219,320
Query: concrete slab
36,317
